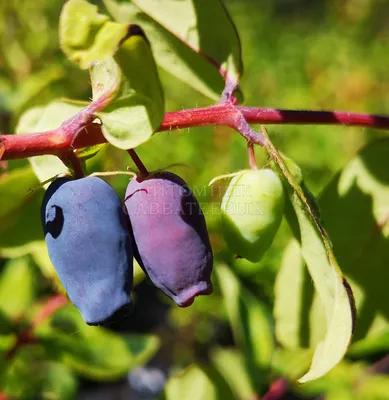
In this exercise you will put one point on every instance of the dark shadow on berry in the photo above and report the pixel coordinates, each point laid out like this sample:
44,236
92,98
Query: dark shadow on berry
55,225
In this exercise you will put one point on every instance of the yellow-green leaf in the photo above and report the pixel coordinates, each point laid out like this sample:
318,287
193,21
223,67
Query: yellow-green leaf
333,290
248,317
95,352
171,54
137,108
17,287
191,384
236,377
205,26
87,36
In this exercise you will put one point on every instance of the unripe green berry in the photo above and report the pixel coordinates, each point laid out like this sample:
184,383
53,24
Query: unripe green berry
252,209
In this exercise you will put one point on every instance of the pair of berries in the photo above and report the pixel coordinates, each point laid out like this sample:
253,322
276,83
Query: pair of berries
91,242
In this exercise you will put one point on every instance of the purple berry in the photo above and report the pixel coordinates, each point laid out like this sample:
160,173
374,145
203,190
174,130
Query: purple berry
170,235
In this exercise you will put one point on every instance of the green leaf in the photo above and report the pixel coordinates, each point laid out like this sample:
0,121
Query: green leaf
293,299
57,381
19,208
122,69
291,364
29,376
86,36
40,254
373,387
137,109
341,379
7,342
95,352
250,324
205,26
236,377
40,119
89,152
18,379
333,290
29,89
107,356
139,275
171,54
355,209
17,287
191,384
6,326
14,186
371,345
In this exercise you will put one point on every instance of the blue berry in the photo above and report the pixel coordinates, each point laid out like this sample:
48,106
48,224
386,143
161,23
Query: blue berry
147,382
90,247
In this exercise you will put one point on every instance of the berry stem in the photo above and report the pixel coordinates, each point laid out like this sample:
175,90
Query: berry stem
251,151
70,158
144,173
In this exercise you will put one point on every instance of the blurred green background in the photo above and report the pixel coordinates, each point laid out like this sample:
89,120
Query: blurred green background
297,54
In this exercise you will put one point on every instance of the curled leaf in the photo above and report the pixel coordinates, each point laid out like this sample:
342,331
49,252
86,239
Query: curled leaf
333,290
205,26
86,36
137,106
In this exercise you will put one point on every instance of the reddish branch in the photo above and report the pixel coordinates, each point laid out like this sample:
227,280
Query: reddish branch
277,390
218,115
27,336
51,306
81,132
